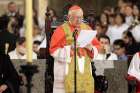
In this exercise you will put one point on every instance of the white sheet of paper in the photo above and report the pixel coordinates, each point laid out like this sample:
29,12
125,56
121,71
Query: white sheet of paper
85,37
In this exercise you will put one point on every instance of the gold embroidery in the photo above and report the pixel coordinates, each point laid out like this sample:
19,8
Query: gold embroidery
85,81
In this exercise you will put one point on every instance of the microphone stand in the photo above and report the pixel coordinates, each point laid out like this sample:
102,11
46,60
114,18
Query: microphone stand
49,59
47,31
75,76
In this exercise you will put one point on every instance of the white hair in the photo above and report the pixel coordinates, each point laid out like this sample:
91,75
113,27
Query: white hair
71,12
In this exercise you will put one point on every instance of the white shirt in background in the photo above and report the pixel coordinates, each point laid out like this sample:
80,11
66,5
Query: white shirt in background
129,20
116,32
104,57
13,55
136,33
134,68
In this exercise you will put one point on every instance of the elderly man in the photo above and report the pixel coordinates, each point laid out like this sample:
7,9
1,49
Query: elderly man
62,51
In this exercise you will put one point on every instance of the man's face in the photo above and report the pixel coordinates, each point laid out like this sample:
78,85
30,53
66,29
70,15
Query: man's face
118,50
12,8
118,20
76,18
125,39
104,41
104,45
21,49
35,48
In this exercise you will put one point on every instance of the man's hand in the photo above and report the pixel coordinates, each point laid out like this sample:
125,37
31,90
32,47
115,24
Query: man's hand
107,48
72,49
72,46
102,49
89,46
3,88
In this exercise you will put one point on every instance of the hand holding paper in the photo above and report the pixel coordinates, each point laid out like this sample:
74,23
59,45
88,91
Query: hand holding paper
85,37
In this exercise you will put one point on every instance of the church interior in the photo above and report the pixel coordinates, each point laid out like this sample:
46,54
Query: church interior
40,52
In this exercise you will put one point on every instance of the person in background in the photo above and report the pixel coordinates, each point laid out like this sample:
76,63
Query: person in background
136,14
12,12
38,24
7,36
121,6
12,9
36,45
134,72
20,51
104,50
91,18
136,33
103,56
65,11
116,31
9,78
39,21
51,18
129,14
119,50
112,24
104,19
130,43
111,20
38,35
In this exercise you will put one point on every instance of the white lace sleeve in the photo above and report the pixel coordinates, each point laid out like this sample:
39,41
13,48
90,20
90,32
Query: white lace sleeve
134,68
62,54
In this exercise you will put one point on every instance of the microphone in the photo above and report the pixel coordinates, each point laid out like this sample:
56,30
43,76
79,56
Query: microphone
75,32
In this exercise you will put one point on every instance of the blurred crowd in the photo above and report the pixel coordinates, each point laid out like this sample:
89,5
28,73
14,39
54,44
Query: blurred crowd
118,31
12,32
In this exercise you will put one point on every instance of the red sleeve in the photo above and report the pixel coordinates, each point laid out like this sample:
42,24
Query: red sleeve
58,39
90,54
95,42
130,77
